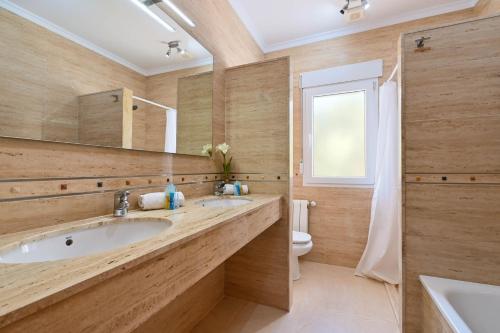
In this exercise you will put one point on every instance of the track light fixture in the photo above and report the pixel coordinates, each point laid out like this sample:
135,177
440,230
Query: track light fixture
352,4
355,9
175,46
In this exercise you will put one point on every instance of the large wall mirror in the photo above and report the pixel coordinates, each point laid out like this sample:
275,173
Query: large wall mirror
114,73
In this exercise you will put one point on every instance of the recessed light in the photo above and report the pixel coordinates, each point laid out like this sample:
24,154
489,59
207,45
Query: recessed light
145,9
179,12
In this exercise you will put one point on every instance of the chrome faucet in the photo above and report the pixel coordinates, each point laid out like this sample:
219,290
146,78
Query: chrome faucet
121,203
219,188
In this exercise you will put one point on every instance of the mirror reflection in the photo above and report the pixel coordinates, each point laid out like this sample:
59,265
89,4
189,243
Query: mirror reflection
115,73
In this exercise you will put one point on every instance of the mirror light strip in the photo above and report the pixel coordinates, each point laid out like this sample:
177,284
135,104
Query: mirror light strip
145,9
179,12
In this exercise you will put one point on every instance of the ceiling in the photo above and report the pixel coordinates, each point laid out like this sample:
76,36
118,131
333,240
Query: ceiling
280,24
117,29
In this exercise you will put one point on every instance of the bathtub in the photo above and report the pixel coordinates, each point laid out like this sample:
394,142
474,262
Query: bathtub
467,307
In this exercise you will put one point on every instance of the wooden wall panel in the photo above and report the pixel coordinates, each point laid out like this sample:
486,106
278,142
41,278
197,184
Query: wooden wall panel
50,210
219,105
465,104
194,113
41,76
257,128
451,144
257,116
162,88
339,224
24,159
100,116
451,231
189,308
487,7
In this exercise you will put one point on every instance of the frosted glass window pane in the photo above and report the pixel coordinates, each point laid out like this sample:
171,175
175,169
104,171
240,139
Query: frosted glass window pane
339,135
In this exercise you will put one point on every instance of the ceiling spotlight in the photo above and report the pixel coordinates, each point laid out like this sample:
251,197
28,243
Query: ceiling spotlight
175,46
354,10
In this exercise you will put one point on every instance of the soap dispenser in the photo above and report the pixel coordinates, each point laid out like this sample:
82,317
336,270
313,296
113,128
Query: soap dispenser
237,188
170,197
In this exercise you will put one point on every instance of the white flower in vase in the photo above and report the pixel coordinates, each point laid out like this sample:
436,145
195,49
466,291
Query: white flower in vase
207,150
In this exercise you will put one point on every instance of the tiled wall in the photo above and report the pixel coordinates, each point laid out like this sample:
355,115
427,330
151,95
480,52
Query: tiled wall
451,132
339,224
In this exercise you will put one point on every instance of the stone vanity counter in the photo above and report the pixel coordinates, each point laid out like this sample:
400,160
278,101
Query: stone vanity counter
199,239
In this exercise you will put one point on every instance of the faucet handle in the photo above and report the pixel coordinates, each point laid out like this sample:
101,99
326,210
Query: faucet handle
121,203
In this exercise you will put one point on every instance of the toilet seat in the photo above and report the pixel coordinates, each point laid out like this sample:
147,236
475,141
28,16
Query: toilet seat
300,237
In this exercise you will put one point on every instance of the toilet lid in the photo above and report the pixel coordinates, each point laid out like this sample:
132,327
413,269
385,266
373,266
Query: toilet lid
301,237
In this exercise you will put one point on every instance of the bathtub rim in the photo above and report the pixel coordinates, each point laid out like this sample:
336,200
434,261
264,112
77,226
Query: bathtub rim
437,288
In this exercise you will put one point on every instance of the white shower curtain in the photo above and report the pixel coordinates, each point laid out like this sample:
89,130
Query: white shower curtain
381,259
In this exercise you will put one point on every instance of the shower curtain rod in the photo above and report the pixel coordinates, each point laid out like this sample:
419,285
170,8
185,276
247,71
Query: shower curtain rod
168,108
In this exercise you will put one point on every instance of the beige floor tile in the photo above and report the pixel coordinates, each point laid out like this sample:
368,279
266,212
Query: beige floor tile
326,299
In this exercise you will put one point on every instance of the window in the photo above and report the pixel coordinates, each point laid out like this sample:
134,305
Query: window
340,132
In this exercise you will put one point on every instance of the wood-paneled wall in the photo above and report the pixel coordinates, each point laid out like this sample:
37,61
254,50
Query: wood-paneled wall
42,76
162,88
100,116
28,168
56,68
451,132
220,30
487,7
71,173
194,113
257,128
339,224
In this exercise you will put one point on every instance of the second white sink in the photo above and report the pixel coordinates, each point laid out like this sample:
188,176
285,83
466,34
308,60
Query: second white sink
223,202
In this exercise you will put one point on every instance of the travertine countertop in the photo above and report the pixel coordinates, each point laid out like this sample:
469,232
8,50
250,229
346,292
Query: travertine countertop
26,288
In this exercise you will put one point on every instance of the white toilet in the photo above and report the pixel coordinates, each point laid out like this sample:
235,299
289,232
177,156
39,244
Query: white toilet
302,242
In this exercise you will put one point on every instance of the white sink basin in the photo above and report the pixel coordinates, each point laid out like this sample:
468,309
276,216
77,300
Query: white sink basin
83,242
223,202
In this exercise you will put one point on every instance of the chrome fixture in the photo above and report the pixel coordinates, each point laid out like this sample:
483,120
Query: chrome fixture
355,9
219,188
121,203
421,41
175,45
311,204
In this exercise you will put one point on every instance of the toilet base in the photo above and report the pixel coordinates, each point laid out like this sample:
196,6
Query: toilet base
299,250
295,268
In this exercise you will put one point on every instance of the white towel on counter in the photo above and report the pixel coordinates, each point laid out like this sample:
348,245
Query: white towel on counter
229,189
156,200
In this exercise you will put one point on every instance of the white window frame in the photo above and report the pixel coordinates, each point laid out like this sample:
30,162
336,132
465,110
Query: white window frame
370,86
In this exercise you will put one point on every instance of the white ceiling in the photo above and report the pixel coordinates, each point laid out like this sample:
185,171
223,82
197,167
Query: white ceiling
117,29
280,24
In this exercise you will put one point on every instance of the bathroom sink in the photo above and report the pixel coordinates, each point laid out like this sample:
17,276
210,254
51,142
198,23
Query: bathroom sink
97,238
223,202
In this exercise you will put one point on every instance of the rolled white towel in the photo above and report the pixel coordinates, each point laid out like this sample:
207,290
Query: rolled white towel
229,189
179,199
156,200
